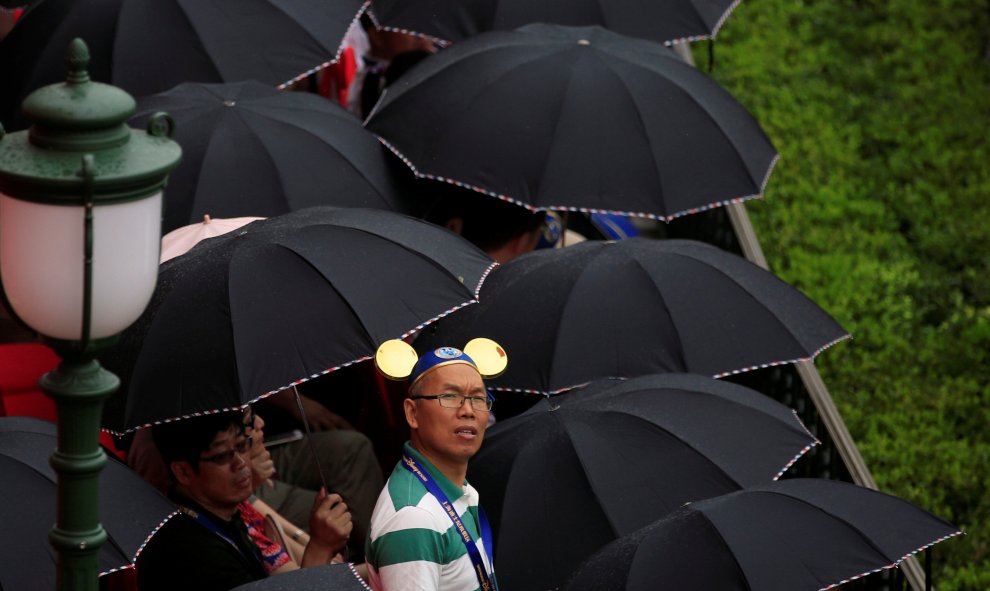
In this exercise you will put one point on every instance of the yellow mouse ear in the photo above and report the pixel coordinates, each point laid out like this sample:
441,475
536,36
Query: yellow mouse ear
488,355
395,359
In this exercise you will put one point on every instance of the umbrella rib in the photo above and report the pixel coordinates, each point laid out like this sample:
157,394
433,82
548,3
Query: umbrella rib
271,160
646,135
371,180
651,426
770,310
737,151
735,560
556,124
845,522
673,323
340,45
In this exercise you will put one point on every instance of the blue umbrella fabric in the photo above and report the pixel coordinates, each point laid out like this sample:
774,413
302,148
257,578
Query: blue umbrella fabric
131,510
583,468
575,118
800,534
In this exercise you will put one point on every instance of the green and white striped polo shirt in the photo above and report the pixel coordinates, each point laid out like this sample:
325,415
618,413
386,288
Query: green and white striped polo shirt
413,544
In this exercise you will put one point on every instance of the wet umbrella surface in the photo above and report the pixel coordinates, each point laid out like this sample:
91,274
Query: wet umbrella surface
251,150
577,119
283,300
635,307
130,508
453,20
801,534
586,467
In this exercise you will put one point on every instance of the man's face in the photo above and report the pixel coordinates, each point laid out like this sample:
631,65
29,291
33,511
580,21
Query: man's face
449,435
223,483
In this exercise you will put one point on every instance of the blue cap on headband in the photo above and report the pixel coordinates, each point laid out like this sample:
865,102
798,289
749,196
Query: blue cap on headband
437,358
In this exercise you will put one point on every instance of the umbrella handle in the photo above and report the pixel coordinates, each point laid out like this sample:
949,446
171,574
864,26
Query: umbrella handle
309,439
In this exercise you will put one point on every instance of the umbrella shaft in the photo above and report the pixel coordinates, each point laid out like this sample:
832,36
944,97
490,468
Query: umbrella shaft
78,387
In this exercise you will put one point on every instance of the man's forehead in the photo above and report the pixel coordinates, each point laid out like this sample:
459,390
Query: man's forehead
456,376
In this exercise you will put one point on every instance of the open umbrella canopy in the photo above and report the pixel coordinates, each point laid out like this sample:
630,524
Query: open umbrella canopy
452,20
280,301
149,46
800,534
566,118
131,510
621,455
338,577
635,307
251,150
180,240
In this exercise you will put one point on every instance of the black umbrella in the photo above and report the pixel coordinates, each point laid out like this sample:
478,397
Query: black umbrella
634,307
283,300
453,20
251,150
338,577
149,46
583,468
131,510
801,534
575,118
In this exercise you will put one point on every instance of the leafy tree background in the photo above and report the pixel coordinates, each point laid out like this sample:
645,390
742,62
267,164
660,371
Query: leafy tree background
878,210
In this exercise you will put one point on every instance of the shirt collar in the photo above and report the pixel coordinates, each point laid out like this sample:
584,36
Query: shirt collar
450,489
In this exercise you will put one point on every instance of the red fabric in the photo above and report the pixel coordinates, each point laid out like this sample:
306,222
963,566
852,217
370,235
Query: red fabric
274,555
336,78
21,366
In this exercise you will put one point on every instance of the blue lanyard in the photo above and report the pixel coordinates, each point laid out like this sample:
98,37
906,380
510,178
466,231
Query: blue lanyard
487,584
208,524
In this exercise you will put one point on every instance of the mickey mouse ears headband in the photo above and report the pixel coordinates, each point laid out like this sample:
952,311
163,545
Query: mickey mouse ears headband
396,360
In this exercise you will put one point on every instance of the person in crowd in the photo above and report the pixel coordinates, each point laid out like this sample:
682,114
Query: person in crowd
347,459
427,531
503,230
383,56
207,545
291,479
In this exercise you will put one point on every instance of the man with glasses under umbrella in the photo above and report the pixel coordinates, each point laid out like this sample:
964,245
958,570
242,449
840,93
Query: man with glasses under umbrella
428,530
208,547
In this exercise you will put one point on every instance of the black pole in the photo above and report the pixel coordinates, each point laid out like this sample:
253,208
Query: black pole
928,568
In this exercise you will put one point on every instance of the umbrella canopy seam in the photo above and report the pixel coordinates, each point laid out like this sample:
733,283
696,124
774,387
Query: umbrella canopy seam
344,156
743,288
336,57
639,214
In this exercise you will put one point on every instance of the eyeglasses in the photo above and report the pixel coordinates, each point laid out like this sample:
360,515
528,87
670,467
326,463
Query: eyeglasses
479,403
226,457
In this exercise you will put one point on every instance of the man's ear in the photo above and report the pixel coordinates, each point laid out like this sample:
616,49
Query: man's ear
182,471
409,407
455,225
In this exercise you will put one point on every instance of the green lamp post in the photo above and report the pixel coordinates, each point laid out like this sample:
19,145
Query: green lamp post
80,231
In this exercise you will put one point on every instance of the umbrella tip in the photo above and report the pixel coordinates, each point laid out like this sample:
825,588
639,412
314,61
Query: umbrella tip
206,218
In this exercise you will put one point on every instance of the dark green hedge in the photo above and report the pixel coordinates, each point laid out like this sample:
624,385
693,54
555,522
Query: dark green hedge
879,211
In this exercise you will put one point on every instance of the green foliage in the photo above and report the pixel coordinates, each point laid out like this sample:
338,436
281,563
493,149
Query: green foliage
879,211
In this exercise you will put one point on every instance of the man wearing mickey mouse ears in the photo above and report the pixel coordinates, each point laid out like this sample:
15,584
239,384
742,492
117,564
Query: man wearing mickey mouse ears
428,530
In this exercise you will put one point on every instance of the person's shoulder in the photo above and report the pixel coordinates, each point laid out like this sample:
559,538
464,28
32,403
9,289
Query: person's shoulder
404,489
178,527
